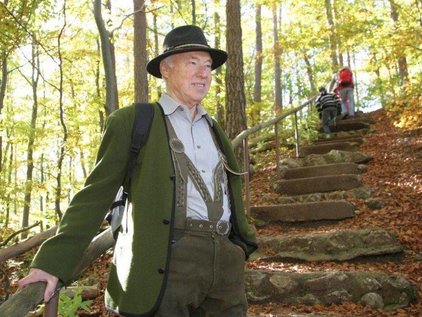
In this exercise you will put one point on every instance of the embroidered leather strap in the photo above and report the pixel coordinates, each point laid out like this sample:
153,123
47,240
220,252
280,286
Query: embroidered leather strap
184,169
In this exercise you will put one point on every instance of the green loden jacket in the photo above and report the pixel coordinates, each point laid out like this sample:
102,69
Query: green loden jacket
141,256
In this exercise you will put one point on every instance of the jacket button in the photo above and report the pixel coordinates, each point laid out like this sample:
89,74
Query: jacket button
166,221
161,270
173,241
172,177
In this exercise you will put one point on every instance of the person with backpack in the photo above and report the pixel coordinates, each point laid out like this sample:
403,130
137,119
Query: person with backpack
184,237
345,87
327,105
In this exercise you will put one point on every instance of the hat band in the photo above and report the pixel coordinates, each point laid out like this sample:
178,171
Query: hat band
185,45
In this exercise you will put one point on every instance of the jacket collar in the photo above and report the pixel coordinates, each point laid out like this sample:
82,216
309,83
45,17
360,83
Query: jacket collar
169,106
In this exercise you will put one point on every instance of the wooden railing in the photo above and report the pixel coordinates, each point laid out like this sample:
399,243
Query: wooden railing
27,299
242,139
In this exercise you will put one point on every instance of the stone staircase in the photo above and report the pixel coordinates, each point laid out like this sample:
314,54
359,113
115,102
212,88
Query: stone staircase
318,186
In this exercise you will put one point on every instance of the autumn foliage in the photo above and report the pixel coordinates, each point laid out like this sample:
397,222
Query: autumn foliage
406,110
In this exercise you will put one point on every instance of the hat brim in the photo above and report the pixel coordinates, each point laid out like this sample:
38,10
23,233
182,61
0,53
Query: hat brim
219,57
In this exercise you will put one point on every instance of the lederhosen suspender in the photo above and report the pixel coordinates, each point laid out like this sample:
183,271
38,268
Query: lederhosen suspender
184,169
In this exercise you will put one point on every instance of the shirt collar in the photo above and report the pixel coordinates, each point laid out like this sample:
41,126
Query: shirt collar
169,106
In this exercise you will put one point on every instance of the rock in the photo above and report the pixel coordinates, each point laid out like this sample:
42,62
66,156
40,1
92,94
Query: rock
290,162
283,284
338,297
336,245
373,300
374,203
374,289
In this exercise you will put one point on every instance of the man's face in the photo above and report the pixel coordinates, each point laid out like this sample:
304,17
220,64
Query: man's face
188,77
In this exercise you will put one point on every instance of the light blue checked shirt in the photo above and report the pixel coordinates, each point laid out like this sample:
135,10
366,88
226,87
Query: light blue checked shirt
200,148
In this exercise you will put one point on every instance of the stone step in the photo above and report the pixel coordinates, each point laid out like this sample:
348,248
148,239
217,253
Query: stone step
348,125
313,211
321,170
363,193
332,157
374,289
335,156
322,148
352,139
320,184
341,245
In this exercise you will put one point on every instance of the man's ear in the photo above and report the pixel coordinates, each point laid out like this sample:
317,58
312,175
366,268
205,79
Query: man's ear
164,69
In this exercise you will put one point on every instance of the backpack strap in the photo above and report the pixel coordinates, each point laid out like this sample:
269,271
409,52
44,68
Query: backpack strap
144,113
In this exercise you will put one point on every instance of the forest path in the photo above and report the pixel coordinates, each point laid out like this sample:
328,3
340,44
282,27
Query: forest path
310,257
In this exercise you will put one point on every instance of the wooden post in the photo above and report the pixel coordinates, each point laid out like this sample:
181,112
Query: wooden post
51,308
246,168
296,136
277,148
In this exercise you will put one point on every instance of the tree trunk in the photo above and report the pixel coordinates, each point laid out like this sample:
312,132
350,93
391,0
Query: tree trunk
98,87
278,102
418,5
25,246
31,139
333,36
140,51
58,190
339,47
217,76
356,80
255,113
235,93
3,85
10,147
193,6
378,82
258,56
109,61
28,298
156,47
401,58
309,72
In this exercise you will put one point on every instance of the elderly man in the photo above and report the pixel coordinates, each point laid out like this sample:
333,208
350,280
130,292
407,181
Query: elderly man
183,249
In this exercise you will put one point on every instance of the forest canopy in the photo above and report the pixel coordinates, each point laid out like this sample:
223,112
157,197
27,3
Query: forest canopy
54,83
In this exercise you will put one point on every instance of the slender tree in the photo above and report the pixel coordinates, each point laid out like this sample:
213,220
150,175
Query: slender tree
258,56
33,81
278,100
193,6
140,51
309,71
61,157
217,76
235,91
332,36
109,60
401,58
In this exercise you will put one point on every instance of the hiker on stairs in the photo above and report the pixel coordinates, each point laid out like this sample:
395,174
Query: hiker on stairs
327,105
345,87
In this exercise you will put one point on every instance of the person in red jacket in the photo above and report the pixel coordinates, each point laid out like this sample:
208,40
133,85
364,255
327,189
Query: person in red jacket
345,87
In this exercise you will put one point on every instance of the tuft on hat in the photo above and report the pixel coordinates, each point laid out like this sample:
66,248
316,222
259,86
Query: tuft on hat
182,39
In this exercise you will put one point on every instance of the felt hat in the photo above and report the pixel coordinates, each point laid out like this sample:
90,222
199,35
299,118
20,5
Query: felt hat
186,38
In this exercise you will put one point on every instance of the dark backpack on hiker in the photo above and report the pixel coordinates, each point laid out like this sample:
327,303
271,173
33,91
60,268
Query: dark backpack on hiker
345,77
144,113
